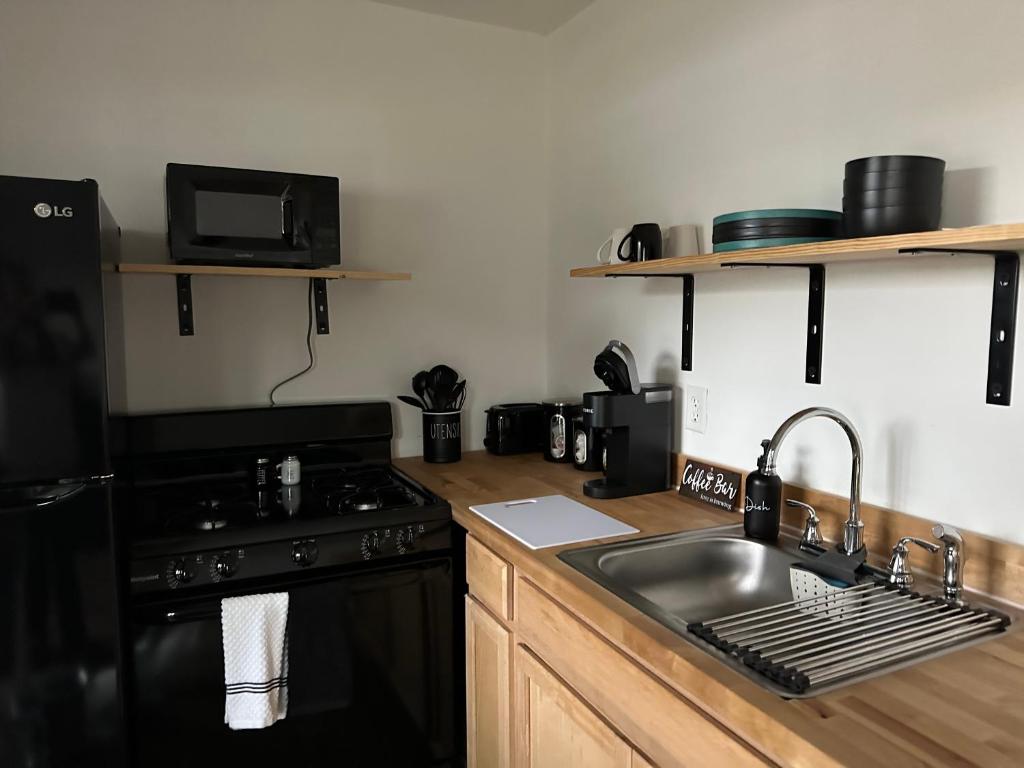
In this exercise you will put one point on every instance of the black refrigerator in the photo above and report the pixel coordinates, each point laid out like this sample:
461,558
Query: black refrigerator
59,631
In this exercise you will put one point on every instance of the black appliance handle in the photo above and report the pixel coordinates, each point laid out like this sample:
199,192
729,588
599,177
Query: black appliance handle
50,495
287,217
165,616
208,609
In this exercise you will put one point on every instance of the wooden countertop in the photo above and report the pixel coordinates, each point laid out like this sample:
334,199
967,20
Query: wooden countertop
966,708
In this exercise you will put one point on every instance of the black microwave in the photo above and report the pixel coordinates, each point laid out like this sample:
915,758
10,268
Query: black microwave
255,218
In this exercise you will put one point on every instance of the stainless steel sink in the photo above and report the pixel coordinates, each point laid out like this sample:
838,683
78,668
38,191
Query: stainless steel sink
693,576
702,576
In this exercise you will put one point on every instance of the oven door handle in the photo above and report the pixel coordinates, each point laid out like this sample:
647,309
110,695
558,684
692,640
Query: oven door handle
184,615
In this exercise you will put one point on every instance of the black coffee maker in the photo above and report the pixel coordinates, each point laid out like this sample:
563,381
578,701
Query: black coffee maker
636,421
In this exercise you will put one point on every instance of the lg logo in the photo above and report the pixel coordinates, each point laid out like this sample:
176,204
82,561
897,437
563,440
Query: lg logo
45,211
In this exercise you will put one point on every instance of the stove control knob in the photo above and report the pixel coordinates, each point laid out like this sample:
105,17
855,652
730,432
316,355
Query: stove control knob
304,553
406,541
370,545
182,571
225,565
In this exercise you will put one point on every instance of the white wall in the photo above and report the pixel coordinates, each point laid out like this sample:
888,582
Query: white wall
433,126
458,143
677,111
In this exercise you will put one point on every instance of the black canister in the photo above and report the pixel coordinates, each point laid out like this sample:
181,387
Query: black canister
262,473
558,416
763,505
442,436
587,446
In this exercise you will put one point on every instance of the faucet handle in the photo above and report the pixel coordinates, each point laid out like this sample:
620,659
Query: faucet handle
948,535
812,533
899,563
953,556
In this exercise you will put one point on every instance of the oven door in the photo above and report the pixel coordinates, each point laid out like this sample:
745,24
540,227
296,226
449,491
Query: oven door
400,712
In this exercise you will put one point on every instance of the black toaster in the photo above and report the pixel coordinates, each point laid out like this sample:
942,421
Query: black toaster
515,428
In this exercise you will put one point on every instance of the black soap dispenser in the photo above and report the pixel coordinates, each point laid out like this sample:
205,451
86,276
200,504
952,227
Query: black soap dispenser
763,507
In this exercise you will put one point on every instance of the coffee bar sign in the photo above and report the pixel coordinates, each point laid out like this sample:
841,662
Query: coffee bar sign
711,485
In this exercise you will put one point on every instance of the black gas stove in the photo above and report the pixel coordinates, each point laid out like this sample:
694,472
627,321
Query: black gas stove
199,530
201,525
231,503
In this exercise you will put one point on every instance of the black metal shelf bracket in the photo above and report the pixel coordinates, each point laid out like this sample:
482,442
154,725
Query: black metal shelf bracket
183,287
686,359
815,323
1003,324
323,320
686,356
1002,327
186,324
815,314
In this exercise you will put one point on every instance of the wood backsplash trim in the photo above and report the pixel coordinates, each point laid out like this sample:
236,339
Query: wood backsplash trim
994,567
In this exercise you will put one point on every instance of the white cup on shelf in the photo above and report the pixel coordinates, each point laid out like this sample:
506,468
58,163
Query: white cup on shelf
609,250
682,240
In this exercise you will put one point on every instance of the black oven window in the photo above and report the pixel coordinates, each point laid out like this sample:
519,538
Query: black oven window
236,214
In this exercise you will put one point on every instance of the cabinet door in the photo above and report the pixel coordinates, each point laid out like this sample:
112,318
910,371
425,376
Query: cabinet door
488,689
554,728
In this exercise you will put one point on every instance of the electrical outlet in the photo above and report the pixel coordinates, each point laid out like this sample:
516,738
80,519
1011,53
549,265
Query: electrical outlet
695,417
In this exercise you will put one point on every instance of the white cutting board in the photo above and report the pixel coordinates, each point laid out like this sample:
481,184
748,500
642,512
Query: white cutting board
547,521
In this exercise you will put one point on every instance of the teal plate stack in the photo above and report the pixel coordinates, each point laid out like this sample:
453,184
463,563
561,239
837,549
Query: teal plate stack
770,227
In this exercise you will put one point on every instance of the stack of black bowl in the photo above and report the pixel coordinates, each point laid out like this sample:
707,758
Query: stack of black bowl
892,194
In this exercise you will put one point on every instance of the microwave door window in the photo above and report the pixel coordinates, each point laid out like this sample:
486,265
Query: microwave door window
240,215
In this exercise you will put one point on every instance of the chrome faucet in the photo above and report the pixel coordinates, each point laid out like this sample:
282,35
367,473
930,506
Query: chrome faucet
853,528
953,555
812,532
899,562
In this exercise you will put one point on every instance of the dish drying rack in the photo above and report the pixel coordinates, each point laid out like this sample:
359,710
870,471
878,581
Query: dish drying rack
803,645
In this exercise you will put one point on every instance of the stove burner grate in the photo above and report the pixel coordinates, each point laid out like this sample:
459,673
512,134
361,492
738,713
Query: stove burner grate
206,506
209,517
361,491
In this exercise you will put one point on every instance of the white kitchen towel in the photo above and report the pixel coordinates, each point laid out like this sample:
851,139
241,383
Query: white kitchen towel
255,634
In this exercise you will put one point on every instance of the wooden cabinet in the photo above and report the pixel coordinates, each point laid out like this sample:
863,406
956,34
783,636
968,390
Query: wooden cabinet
545,690
654,718
488,689
489,578
554,728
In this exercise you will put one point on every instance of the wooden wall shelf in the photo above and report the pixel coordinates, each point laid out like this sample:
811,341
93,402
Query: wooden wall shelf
318,278
988,239
1002,242
229,271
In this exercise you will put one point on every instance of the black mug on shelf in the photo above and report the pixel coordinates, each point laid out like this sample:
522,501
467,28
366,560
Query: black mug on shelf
643,243
442,436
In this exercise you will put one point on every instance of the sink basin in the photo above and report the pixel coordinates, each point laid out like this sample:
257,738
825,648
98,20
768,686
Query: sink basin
704,576
693,577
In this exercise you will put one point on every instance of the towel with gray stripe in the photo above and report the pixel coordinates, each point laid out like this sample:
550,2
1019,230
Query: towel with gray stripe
255,636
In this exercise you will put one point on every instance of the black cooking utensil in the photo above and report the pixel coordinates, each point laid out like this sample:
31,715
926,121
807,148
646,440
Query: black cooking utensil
420,385
458,396
441,381
409,400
